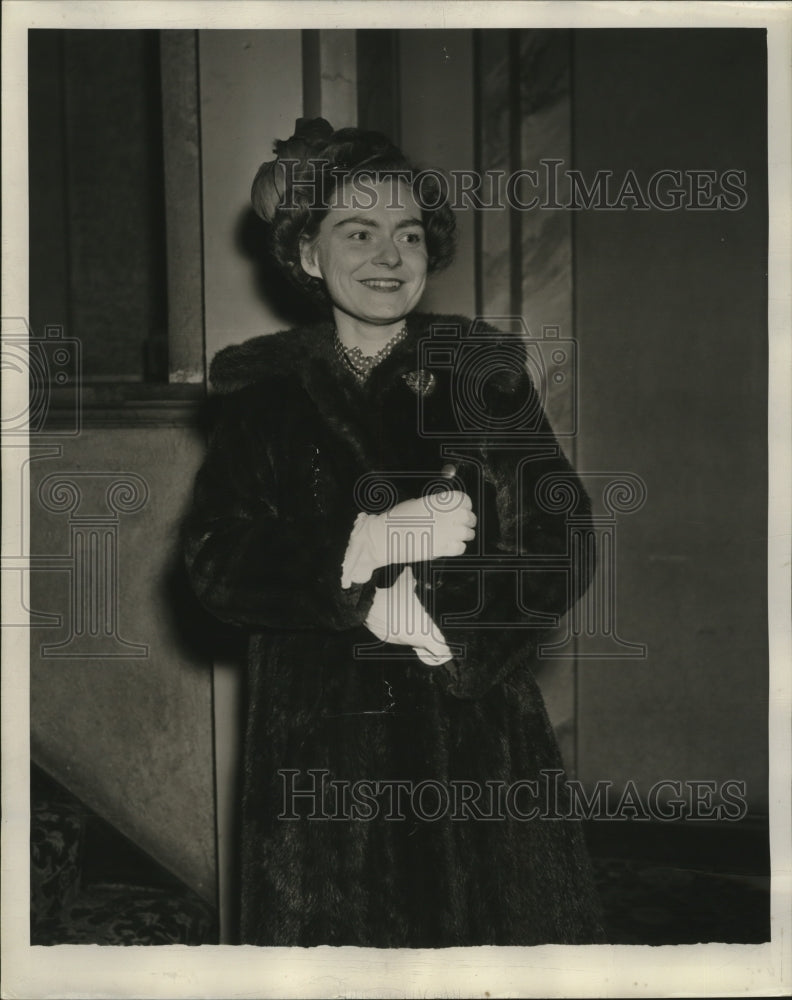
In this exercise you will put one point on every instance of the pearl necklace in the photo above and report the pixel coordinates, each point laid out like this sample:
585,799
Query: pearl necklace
362,365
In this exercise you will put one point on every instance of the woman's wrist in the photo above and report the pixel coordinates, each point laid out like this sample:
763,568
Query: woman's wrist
360,558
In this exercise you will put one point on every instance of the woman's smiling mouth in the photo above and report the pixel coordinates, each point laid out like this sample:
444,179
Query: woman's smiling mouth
382,284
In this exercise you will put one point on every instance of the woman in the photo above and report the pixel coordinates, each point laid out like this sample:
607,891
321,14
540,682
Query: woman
356,513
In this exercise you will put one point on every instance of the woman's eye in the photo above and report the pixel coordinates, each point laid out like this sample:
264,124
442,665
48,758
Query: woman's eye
359,235
415,237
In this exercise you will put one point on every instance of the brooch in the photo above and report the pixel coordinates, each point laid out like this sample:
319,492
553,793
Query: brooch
421,382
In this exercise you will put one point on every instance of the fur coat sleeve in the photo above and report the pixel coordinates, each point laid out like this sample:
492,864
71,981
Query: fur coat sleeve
256,557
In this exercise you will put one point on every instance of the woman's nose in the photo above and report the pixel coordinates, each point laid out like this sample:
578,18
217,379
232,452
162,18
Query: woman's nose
387,253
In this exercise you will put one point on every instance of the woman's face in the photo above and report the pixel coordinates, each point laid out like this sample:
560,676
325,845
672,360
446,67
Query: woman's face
372,260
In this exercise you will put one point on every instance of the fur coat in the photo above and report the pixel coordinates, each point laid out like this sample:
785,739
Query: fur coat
379,805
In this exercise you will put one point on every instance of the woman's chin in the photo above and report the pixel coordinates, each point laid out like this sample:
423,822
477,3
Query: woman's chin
381,315
391,305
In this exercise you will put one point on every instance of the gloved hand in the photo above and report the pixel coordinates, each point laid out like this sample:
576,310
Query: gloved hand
398,616
427,527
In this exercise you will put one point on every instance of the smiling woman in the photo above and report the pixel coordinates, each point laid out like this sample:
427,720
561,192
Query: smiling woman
368,504
373,266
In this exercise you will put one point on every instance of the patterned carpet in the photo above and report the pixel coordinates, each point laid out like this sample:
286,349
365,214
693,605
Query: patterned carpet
89,885
677,885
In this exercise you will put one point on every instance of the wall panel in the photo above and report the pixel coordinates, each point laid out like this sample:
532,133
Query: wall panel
436,78
251,95
671,318
122,715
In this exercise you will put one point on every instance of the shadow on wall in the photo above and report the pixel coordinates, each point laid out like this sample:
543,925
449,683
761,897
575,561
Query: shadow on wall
272,287
199,637
197,634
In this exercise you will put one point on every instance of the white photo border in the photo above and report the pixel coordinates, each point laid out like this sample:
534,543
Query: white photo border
214,971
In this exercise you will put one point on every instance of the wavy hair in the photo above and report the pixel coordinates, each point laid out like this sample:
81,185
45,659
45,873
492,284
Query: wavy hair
309,183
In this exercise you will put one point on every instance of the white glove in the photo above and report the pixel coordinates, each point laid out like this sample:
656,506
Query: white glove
416,530
398,616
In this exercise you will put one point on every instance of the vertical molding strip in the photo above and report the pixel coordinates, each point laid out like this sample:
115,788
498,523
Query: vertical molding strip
183,213
545,232
515,164
575,452
311,74
543,73
524,256
492,153
330,70
378,82
478,235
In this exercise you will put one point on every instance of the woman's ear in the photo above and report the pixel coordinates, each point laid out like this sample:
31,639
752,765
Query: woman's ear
308,257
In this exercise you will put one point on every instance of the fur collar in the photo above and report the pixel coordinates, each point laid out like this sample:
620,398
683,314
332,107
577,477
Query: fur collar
301,351
274,354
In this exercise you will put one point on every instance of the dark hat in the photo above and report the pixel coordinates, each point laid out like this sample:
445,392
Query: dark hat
311,135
